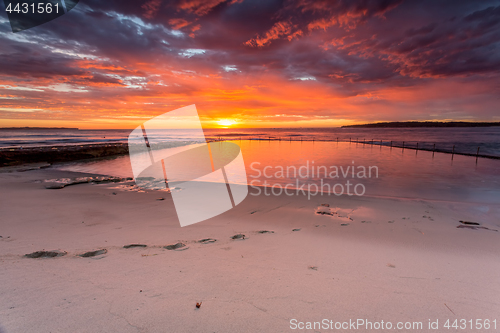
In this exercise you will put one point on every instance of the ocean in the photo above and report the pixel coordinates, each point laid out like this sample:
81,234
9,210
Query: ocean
464,140
402,173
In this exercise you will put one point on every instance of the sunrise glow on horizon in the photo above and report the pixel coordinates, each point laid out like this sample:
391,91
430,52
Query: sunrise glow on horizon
250,64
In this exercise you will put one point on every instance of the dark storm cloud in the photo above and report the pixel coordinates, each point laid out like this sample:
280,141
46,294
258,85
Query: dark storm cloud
23,61
353,45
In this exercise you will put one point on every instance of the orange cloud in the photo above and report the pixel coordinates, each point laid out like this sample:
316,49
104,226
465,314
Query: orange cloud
178,23
199,7
278,30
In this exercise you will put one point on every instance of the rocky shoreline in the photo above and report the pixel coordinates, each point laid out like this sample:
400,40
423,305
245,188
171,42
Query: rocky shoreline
52,154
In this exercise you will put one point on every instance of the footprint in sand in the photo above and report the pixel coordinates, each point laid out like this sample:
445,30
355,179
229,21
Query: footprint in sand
207,240
130,246
324,211
337,213
474,227
265,232
46,254
93,253
176,247
238,236
298,229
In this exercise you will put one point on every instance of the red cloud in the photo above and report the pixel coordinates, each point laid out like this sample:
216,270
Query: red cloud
199,7
278,30
151,8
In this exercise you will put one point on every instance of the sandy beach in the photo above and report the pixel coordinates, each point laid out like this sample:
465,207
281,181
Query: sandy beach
338,259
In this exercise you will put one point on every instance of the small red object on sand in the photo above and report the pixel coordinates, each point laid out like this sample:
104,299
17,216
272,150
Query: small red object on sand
198,305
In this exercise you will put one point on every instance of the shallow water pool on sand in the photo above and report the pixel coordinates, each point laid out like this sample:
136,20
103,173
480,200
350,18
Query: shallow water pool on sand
328,165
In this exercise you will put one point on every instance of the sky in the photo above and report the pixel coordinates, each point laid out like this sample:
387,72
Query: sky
254,63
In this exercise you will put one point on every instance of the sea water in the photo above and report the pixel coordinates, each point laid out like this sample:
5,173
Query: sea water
327,166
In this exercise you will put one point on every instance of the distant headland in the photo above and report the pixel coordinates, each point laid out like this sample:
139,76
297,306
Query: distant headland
401,124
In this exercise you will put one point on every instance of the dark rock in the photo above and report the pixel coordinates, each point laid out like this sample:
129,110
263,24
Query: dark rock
61,154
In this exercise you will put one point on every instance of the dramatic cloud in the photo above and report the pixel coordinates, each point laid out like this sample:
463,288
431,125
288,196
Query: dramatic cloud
262,62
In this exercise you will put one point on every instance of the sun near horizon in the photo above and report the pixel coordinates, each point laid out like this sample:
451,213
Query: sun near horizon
226,123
